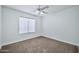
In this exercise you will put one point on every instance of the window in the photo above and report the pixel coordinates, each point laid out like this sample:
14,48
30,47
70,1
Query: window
26,25
31,25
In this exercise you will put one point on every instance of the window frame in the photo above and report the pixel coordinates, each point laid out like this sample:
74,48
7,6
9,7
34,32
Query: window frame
28,25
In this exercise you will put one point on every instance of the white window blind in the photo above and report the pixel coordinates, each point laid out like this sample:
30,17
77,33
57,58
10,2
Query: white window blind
31,25
26,25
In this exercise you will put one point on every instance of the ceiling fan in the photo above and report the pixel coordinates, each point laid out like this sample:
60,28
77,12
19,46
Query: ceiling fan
42,9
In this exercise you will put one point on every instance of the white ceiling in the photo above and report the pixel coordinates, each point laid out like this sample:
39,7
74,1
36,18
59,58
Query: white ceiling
32,8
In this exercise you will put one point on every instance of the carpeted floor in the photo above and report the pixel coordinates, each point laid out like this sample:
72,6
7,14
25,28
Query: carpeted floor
40,45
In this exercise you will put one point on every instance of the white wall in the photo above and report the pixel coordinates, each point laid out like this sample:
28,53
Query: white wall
10,26
0,27
63,25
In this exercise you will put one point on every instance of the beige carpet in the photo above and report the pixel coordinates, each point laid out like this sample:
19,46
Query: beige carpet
40,45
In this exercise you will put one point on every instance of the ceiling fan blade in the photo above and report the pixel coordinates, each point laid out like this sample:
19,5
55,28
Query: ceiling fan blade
44,7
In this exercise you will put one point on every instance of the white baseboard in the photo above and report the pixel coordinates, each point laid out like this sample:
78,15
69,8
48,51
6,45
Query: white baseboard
60,40
29,37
